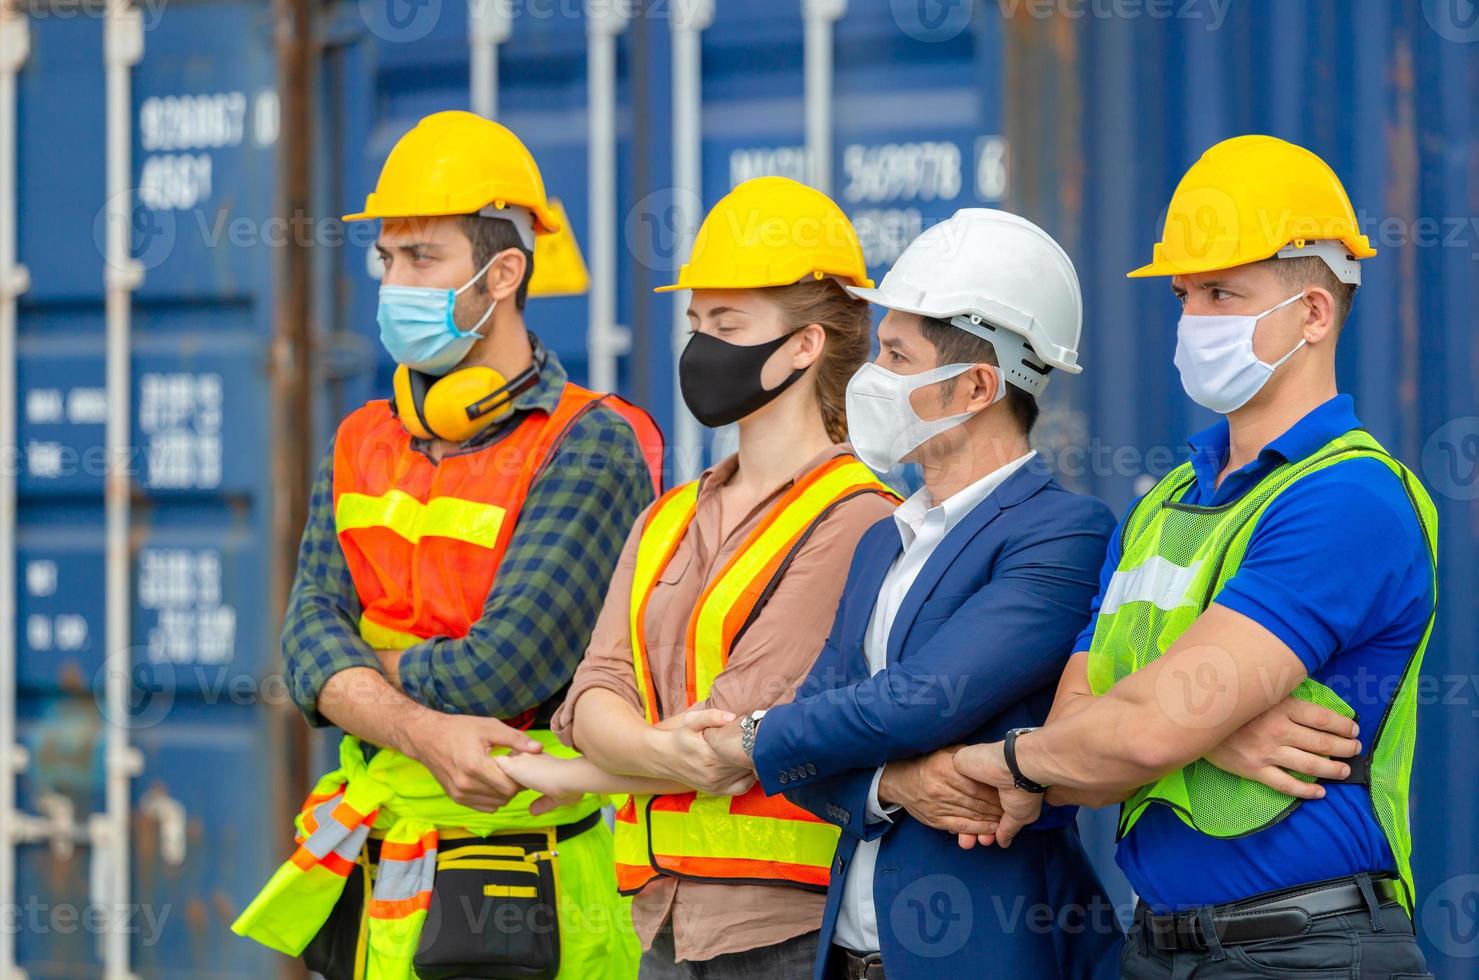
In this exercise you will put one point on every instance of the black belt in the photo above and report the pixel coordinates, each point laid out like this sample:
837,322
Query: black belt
1273,915
563,832
569,830
529,841
855,967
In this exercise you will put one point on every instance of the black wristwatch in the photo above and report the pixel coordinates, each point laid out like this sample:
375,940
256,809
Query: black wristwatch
1009,749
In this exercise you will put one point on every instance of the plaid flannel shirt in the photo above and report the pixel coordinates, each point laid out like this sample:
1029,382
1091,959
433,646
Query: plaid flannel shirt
538,617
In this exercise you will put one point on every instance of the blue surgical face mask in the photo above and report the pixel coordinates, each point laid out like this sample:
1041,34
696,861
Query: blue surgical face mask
417,328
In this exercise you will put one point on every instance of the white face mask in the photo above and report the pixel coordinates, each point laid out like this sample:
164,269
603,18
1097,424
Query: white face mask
1215,357
881,422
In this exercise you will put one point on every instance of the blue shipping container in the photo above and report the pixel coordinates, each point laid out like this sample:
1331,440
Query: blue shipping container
1080,115
204,132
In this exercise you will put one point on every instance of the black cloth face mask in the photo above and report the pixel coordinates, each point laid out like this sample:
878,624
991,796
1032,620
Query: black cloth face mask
720,381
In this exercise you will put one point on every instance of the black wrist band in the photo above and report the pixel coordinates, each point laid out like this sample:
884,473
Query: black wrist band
1009,749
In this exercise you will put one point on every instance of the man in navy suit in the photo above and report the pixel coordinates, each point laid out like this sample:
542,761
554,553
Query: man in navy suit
957,619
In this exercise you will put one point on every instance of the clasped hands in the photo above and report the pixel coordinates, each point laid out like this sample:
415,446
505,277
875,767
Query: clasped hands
701,748
676,750
967,791
458,750
934,791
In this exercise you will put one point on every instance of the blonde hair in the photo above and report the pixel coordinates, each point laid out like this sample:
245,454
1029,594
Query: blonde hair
844,319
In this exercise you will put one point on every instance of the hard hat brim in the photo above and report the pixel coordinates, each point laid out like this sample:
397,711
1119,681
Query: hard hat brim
546,222
1061,359
1160,267
876,296
1170,267
871,294
1152,269
674,287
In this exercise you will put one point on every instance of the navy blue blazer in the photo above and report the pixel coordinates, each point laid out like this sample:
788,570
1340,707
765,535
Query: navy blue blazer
976,649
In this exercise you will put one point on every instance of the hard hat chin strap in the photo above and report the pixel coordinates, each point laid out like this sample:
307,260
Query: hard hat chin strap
1014,356
520,217
1333,253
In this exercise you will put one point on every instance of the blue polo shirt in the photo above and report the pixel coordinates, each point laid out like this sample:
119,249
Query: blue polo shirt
1339,570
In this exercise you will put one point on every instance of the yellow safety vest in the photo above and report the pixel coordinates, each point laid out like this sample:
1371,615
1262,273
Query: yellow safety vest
1175,559
751,837
400,798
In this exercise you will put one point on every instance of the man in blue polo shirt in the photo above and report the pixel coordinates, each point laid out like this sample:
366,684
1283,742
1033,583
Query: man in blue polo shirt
1283,579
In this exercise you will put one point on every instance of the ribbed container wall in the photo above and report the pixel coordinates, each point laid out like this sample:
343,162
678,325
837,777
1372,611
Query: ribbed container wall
1082,116
203,134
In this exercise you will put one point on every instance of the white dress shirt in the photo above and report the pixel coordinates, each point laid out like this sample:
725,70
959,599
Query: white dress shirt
921,527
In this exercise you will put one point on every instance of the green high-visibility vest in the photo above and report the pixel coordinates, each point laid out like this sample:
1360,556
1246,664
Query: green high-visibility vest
1176,558
398,796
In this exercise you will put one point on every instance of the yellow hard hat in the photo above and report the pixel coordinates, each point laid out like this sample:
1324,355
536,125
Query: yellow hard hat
1250,198
458,163
772,231
559,268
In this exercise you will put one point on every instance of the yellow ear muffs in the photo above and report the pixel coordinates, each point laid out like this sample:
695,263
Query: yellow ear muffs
457,405
465,401
407,403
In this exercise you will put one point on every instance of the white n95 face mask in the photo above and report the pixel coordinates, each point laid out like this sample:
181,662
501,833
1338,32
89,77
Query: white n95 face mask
881,422
1215,357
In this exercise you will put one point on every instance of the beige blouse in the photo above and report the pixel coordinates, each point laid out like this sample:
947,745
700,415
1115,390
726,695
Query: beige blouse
770,660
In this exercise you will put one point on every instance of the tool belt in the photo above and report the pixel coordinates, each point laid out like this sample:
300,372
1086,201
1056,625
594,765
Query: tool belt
493,909
1272,915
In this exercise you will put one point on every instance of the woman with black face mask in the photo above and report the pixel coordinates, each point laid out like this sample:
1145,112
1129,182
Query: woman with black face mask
725,594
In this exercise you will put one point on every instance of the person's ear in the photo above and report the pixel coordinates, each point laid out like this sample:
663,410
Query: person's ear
810,341
980,383
506,273
1318,307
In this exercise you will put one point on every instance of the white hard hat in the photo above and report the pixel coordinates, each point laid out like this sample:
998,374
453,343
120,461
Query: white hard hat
1000,277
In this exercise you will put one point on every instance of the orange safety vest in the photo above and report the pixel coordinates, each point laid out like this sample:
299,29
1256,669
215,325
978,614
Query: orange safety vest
423,540
751,837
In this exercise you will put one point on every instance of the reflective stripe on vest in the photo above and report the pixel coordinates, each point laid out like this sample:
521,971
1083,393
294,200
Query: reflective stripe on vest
441,517
331,835
1175,559
751,837
404,875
